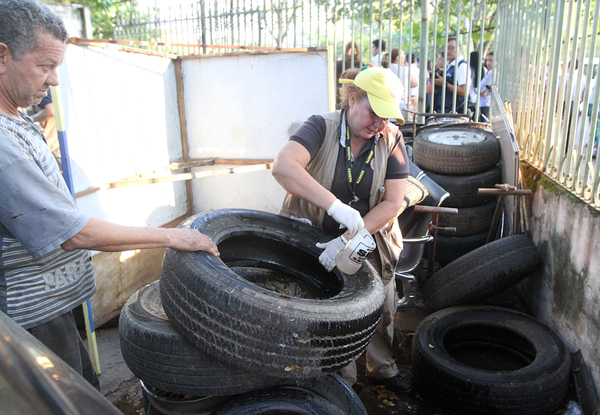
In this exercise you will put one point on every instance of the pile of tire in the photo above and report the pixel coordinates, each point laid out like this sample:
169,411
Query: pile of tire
489,360
461,160
262,316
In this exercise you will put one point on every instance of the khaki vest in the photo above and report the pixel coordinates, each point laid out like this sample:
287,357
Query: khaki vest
322,168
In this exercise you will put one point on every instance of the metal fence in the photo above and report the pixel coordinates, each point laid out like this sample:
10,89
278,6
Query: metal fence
534,42
539,44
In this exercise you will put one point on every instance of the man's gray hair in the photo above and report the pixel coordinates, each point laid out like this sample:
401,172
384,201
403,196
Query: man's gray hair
21,21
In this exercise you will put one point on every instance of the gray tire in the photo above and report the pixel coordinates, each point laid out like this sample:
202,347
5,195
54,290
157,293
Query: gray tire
482,273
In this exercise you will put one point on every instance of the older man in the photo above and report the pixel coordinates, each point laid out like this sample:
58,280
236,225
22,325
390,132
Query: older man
459,70
45,270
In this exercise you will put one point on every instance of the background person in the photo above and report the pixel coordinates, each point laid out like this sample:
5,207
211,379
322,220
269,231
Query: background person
485,98
347,62
378,55
44,116
313,168
400,69
477,67
453,69
438,70
414,89
45,269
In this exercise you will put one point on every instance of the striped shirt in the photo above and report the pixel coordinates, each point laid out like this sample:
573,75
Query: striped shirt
38,279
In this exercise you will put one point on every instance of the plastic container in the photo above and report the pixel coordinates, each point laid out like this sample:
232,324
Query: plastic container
357,249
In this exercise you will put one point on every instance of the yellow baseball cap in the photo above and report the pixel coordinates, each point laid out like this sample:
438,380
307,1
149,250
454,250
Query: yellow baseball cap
383,89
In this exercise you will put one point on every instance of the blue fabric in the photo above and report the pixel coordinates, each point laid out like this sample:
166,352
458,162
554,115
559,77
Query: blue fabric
448,102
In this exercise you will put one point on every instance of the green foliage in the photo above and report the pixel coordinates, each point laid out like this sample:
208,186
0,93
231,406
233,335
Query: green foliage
105,14
361,11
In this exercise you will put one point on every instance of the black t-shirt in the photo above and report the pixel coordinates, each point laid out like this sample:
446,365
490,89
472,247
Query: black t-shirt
311,136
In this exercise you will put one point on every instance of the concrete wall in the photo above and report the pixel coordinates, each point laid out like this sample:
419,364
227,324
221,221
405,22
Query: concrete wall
566,296
76,17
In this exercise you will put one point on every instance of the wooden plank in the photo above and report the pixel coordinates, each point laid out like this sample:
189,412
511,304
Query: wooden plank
127,49
175,178
76,41
189,190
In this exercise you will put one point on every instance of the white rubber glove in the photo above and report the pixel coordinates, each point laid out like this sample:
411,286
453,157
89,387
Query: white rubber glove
331,249
347,216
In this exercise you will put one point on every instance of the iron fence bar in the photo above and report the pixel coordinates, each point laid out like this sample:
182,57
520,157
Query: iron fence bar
435,54
391,12
594,195
443,88
572,104
343,55
423,65
380,37
531,119
565,91
362,19
576,183
456,56
540,74
481,40
523,102
353,56
409,58
555,59
371,28
529,79
469,48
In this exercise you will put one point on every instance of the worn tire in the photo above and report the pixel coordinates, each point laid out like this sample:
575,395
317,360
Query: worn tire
482,273
159,402
469,220
159,356
281,400
335,390
464,189
450,248
489,360
473,151
262,329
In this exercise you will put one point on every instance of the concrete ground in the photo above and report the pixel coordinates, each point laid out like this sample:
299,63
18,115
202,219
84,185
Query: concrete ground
123,389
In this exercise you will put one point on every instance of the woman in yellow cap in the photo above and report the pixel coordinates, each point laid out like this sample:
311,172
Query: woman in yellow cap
352,165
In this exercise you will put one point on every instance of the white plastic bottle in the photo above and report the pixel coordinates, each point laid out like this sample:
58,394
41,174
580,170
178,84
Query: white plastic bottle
357,249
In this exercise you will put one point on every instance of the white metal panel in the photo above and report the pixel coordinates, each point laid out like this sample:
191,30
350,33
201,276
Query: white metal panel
121,120
254,190
246,106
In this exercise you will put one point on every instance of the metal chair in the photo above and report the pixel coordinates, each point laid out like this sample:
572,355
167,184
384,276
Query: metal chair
419,226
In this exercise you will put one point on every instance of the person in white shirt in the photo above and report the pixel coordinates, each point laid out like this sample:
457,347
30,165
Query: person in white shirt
461,71
485,98
400,69
378,56
414,90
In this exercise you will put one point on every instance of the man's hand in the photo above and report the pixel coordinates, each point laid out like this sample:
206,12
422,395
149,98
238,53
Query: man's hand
331,249
439,81
347,216
187,239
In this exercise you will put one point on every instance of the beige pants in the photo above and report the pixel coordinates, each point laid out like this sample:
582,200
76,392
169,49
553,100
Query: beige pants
381,362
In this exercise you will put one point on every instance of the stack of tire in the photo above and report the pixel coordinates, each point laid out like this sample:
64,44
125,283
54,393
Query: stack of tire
255,324
461,160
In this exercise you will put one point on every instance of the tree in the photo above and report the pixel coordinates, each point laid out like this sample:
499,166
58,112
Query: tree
105,14
368,12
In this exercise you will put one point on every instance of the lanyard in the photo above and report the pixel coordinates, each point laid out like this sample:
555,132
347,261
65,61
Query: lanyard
352,185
